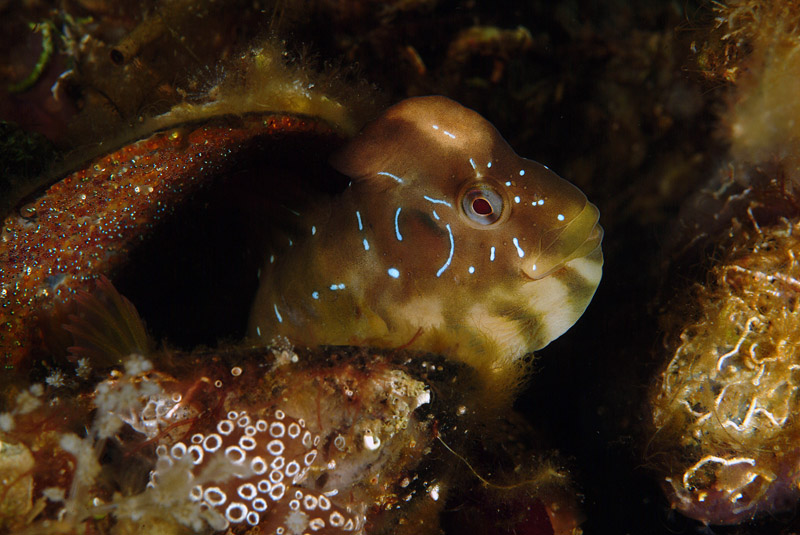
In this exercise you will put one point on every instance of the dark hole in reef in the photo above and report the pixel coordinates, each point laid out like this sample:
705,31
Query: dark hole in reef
193,279
117,57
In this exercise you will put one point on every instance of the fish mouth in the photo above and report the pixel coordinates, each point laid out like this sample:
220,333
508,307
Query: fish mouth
580,238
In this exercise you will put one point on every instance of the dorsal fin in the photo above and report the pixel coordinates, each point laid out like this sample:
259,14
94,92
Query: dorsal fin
106,326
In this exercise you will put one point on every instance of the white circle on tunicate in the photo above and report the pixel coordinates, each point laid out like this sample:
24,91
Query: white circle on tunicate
232,415
197,438
247,491
236,512
161,450
258,465
298,494
236,371
316,524
277,492
196,494
324,503
261,425
277,463
316,440
279,414
264,486
302,422
250,430
244,421
309,457
214,496
235,454
292,468
247,443
276,476
253,518
307,439
212,443
275,447
195,454
336,519
259,504
294,505
310,503
225,427
178,450
294,430
277,429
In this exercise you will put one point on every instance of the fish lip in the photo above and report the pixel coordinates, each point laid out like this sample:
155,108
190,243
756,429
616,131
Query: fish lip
592,242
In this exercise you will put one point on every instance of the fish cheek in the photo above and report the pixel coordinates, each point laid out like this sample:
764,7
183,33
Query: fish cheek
425,245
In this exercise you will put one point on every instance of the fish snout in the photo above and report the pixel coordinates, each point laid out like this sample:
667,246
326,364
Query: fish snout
580,238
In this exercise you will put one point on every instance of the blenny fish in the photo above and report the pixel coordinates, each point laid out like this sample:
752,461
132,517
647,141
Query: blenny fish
445,241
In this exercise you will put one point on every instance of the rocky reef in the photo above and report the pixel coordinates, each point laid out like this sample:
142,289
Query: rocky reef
723,410
670,403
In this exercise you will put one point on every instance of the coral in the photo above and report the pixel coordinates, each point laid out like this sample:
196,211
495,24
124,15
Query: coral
335,441
249,469
723,436
16,491
723,410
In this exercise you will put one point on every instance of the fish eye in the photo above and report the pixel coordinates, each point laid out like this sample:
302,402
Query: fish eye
482,204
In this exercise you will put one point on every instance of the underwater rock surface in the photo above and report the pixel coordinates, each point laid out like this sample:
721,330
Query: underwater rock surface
246,439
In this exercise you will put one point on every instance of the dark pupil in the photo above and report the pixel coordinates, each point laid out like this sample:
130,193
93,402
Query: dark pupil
481,206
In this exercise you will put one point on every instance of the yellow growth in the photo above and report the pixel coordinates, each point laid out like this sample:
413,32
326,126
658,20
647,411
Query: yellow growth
764,114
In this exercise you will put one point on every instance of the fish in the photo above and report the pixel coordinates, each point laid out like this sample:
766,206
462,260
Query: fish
445,241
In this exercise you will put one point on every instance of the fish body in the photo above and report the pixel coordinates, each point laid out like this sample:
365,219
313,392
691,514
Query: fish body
444,241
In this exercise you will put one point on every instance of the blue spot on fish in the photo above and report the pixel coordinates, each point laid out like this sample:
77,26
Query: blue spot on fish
520,252
436,201
396,226
450,256
390,175
393,272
